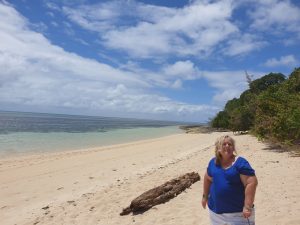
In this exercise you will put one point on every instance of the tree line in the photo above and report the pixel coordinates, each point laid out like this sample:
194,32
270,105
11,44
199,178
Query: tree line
270,108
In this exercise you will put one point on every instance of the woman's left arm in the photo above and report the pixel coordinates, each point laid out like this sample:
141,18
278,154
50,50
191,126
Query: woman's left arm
250,183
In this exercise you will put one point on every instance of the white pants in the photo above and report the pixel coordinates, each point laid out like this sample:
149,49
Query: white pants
231,218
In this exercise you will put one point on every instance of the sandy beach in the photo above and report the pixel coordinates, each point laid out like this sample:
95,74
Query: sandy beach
92,186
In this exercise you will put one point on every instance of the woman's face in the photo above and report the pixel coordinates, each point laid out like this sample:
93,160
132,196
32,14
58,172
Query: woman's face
226,148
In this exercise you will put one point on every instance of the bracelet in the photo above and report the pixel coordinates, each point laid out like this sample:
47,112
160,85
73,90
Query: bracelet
247,208
204,196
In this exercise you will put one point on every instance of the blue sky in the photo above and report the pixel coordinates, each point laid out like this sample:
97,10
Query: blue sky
168,60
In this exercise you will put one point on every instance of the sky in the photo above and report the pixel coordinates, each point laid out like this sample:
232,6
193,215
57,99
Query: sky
161,59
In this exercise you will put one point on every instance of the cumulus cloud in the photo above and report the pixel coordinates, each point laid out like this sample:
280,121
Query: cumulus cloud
228,84
184,69
200,28
196,29
288,60
243,45
178,41
276,17
37,73
167,75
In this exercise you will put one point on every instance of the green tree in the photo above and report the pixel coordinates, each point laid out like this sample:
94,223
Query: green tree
278,111
221,120
270,108
264,82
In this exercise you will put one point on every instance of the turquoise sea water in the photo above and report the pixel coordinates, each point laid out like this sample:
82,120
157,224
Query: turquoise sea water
27,133
28,142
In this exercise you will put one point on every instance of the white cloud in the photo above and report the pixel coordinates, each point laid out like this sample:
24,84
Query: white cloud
52,6
224,96
196,29
99,18
226,79
102,16
184,33
39,74
177,84
288,60
200,28
184,69
228,84
169,75
276,17
244,44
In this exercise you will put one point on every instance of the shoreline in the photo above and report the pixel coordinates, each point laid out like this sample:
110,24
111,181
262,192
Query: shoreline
93,186
81,151
56,142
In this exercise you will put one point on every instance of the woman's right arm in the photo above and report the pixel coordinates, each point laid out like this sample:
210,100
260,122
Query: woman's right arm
206,186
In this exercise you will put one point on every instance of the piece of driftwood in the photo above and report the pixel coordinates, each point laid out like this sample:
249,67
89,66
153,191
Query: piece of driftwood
161,193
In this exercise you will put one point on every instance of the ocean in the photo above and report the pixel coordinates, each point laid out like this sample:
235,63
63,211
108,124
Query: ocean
24,133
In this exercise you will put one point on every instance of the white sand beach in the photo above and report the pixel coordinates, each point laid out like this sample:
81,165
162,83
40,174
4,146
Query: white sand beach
92,186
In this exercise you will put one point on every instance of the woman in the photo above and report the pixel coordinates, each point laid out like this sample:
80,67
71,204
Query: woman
229,186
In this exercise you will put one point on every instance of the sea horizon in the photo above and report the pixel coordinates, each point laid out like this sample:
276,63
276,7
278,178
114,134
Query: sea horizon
23,133
102,116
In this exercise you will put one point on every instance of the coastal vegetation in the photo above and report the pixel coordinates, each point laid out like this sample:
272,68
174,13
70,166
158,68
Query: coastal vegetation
270,109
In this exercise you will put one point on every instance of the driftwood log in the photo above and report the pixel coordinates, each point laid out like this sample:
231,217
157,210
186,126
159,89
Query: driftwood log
161,193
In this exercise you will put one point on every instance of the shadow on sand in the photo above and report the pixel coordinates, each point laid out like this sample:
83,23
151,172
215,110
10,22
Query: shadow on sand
294,151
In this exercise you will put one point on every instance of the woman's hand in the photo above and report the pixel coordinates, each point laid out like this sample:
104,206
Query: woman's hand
247,211
250,183
206,186
204,201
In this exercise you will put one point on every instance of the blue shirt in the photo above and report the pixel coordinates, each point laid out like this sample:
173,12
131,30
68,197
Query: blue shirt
227,192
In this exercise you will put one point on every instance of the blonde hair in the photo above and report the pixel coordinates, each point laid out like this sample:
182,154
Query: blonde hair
218,145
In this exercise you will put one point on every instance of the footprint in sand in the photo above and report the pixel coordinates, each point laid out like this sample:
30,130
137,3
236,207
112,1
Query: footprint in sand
46,207
72,202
